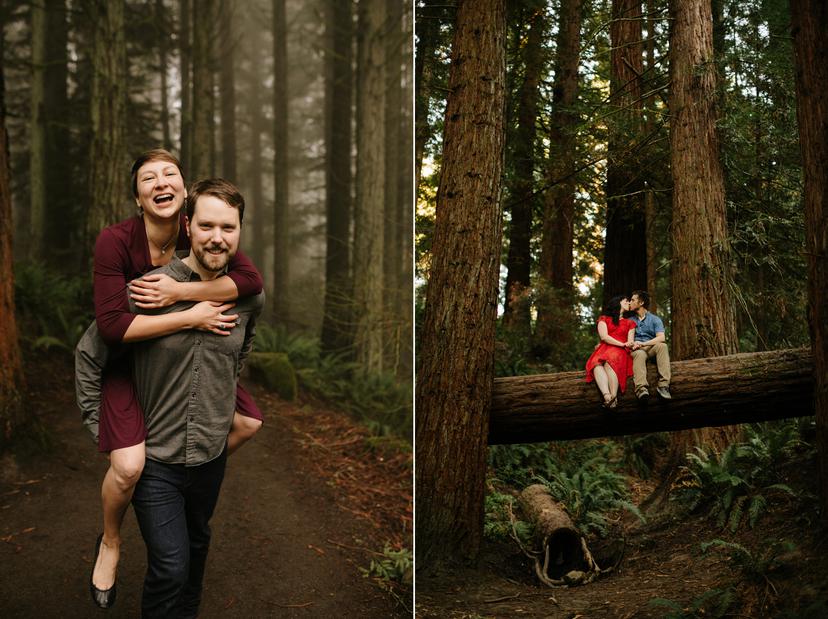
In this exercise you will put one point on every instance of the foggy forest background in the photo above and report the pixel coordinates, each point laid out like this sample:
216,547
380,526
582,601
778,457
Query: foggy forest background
306,106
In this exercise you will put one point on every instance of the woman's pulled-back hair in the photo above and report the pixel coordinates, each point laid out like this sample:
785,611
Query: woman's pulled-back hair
613,308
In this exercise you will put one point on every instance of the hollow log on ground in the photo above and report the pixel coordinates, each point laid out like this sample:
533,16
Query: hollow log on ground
715,391
561,555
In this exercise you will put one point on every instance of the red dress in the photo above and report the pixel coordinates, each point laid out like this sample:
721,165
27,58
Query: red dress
121,255
619,358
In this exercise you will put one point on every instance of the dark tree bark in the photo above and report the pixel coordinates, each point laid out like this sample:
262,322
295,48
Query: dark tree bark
555,281
164,33
370,186
13,415
625,253
808,19
37,134
456,355
281,226
522,198
715,391
703,317
336,333
227,88
107,156
185,52
204,32
650,205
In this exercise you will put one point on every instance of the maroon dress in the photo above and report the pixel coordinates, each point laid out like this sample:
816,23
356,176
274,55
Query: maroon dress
618,357
121,255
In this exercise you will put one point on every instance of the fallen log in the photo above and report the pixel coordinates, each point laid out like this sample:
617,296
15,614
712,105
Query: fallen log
715,391
561,556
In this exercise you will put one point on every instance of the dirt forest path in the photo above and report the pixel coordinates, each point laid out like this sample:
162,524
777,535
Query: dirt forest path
303,506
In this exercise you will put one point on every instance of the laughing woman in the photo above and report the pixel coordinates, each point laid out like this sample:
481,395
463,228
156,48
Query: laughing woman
123,253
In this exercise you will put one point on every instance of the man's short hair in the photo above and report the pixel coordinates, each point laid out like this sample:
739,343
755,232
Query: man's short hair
643,296
155,154
218,188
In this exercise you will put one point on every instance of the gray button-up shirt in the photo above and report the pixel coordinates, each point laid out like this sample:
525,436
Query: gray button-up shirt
186,381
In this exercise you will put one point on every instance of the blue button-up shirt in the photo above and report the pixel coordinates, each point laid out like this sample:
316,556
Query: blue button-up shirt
648,327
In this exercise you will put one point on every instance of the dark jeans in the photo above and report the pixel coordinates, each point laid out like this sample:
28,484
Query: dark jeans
173,505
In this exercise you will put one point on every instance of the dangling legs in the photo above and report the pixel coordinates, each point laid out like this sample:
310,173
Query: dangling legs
125,466
613,385
243,429
602,380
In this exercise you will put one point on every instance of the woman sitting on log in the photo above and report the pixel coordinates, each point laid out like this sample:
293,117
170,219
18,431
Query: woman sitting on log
611,363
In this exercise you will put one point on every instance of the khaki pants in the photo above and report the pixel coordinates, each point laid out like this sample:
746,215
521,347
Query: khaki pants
640,356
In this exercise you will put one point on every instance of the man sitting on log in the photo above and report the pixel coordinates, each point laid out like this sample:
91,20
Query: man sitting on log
649,342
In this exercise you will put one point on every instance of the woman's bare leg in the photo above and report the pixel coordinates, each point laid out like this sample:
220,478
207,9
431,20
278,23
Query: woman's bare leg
243,429
602,380
613,380
125,466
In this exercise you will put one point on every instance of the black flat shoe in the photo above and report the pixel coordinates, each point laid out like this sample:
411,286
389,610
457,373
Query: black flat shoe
103,598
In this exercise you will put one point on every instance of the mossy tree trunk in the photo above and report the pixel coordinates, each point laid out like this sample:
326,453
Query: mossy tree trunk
370,189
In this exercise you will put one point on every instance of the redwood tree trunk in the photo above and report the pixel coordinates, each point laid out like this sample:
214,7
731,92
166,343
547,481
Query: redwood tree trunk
107,156
456,355
555,285
204,31
703,316
370,189
12,381
427,30
625,252
227,87
810,48
281,228
521,193
338,115
185,52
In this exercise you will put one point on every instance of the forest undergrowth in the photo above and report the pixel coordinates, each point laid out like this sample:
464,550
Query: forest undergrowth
744,521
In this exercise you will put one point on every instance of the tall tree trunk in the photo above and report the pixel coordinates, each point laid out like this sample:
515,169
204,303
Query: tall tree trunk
405,218
107,156
456,356
625,252
555,285
808,19
522,198
164,33
427,29
37,134
227,87
12,381
703,316
650,205
185,51
260,214
204,30
392,242
336,332
281,224
370,186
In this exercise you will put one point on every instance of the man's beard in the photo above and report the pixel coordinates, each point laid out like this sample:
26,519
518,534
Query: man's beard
212,262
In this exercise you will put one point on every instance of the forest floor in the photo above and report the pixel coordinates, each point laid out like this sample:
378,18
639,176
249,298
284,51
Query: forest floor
661,558
306,504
